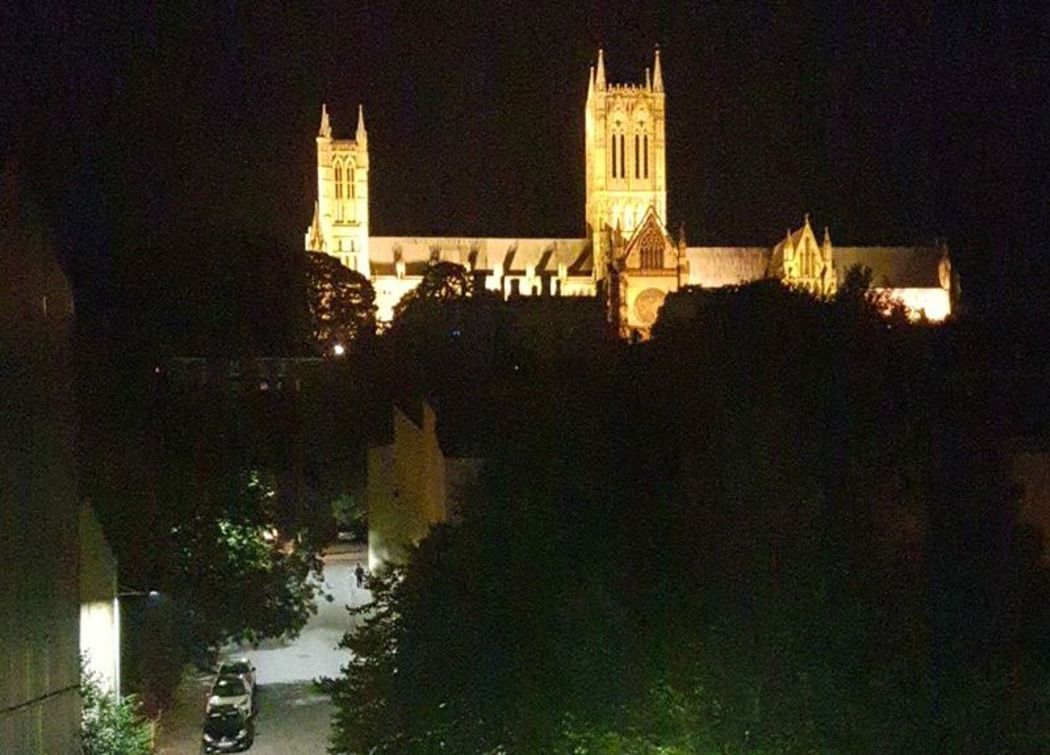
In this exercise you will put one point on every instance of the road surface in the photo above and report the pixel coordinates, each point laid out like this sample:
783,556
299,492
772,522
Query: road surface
293,717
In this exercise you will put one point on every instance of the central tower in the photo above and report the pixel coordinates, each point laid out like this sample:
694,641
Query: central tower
340,223
626,158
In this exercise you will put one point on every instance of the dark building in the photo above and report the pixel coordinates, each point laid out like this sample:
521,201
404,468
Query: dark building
39,598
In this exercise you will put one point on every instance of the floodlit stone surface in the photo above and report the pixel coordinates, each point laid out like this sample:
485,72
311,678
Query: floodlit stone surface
627,254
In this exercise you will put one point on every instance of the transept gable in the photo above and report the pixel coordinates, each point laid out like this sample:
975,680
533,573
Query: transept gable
800,260
650,247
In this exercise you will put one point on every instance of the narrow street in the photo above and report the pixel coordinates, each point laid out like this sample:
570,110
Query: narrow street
293,717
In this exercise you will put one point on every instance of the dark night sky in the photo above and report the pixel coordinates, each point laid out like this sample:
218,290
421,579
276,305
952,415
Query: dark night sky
916,120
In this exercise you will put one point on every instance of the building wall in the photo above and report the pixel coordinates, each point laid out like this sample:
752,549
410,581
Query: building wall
406,488
99,607
39,610
935,304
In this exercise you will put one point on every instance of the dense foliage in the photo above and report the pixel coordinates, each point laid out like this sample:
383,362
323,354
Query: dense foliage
243,580
442,282
784,525
340,301
110,725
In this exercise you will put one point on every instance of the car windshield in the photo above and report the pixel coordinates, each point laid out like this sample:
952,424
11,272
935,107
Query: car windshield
228,686
225,722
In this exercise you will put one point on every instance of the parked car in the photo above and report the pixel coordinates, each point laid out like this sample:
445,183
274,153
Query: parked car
230,691
241,667
226,729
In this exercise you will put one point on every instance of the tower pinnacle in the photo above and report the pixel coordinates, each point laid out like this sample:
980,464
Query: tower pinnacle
326,127
362,135
658,76
599,77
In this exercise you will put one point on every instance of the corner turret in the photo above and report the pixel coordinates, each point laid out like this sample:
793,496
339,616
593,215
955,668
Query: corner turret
658,74
361,135
325,132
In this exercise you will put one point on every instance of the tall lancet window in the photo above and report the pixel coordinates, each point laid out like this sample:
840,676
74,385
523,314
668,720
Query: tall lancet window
623,172
338,180
617,166
349,178
637,156
645,156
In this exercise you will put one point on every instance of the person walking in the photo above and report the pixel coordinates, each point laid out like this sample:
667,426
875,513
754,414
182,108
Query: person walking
359,572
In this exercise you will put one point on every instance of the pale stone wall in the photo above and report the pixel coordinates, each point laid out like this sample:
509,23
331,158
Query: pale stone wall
625,152
341,214
935,304
389,290
411,487
527,267
406,488
645,296
99,607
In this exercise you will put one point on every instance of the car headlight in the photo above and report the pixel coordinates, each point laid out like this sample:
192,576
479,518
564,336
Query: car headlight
207,738
242,734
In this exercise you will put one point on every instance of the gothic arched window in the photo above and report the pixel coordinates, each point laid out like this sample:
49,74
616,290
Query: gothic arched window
645,155
637,156
348,177
652,250
338,180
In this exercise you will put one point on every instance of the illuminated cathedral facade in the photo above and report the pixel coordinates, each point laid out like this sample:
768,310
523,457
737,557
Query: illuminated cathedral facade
627,254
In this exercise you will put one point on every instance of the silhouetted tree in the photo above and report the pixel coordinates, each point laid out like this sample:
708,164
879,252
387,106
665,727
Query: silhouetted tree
442,281
761,532
340,301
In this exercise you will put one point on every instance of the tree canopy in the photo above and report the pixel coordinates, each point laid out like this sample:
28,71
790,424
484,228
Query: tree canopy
243,579
340,301
784,525
442,281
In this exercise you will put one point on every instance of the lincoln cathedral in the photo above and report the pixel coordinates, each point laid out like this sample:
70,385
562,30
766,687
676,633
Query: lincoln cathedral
628,252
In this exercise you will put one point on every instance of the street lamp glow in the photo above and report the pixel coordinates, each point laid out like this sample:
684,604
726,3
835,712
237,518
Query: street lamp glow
338,349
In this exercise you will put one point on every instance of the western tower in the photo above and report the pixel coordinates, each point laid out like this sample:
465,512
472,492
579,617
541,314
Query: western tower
625,154
340,223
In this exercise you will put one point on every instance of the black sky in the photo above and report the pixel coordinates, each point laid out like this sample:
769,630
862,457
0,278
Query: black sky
891,122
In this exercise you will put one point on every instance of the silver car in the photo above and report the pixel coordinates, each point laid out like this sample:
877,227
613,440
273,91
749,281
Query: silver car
230,691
